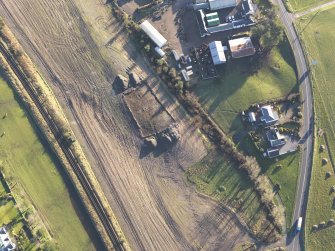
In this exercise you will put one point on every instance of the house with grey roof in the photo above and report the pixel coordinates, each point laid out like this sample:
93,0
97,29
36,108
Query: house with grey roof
269,116
272,152
5,243
275,138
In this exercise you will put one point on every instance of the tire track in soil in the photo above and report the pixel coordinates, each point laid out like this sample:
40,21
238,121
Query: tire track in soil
162,207
90,144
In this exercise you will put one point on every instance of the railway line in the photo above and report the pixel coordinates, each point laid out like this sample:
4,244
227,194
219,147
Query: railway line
93,197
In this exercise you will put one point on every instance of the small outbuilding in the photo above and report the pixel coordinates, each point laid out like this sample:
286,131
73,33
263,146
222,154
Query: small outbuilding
159,52
252,117
153,34
217,52
185,75
241,47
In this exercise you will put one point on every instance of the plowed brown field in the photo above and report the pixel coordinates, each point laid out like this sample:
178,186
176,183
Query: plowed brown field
79,48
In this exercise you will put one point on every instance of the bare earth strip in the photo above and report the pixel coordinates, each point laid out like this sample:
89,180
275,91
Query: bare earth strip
155,208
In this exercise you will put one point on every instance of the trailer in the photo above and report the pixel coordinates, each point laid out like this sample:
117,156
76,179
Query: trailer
299,223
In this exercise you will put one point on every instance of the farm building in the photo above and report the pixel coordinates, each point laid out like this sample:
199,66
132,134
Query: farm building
217,52
221,4
5,242
212,15
241,47
153,34
268,115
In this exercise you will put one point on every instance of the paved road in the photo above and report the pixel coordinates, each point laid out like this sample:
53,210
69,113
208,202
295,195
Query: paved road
319,7
295,242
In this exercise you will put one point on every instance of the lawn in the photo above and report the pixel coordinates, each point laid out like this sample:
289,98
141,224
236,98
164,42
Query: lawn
301,5
29,165
286,176
318,38
236,90
217,177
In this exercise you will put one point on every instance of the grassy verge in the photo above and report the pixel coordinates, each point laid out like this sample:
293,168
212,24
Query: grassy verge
36,175
219,178
318,40
301,5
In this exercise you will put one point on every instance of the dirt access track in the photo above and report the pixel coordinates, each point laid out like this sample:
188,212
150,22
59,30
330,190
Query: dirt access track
79,48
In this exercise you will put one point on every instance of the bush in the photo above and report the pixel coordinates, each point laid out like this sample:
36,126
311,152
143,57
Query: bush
322,148
146,47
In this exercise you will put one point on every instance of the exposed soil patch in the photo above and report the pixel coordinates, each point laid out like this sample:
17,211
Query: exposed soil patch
150,116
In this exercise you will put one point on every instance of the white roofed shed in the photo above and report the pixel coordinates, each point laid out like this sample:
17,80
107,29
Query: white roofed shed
217,52
154,35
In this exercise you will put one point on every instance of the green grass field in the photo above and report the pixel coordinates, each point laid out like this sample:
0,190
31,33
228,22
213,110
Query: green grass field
287,176
236,90
219,178
27,162
301,5
318,38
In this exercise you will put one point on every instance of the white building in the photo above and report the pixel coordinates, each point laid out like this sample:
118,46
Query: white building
221,4
5,242
217,52
154,35
252,117
159,51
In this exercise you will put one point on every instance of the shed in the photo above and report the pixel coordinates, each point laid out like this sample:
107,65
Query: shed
213,22
175,55
241,47
221,4
185,75
217,52
212,15
159,51
153,34
252,117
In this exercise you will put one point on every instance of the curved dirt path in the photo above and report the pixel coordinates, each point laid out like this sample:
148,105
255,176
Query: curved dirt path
155,208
